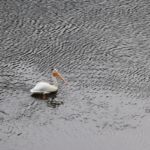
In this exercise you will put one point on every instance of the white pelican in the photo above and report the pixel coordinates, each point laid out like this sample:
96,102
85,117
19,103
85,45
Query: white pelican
44,87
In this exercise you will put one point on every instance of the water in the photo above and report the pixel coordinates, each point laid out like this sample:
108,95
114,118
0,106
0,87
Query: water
100,47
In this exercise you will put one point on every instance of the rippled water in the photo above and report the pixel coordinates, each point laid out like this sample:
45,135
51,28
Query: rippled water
100,47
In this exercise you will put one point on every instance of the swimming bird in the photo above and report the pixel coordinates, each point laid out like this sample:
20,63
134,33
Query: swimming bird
45,87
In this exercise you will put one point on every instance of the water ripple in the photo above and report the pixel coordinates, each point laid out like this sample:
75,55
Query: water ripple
101,48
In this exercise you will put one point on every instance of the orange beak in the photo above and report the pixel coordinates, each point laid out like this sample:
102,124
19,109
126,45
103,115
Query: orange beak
56,74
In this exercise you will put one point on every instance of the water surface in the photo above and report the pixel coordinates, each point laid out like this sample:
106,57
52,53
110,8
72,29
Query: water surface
100,47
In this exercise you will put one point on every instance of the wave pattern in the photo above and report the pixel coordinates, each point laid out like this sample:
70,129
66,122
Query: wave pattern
101,47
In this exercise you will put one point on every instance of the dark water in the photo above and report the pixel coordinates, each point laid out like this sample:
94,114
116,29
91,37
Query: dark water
102,47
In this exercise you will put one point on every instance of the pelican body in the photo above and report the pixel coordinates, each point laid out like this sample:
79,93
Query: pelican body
44,87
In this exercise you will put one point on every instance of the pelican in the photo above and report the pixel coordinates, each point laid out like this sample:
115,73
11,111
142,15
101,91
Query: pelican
46,88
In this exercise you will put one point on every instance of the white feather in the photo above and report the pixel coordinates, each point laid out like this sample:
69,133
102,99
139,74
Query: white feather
44,87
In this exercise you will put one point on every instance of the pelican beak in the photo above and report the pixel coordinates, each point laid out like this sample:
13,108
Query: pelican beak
58,75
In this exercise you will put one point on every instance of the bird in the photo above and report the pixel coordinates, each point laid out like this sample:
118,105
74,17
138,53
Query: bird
44,87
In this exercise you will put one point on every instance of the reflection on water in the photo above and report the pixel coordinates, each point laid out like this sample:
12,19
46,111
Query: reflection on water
96,47
51,99
45,96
